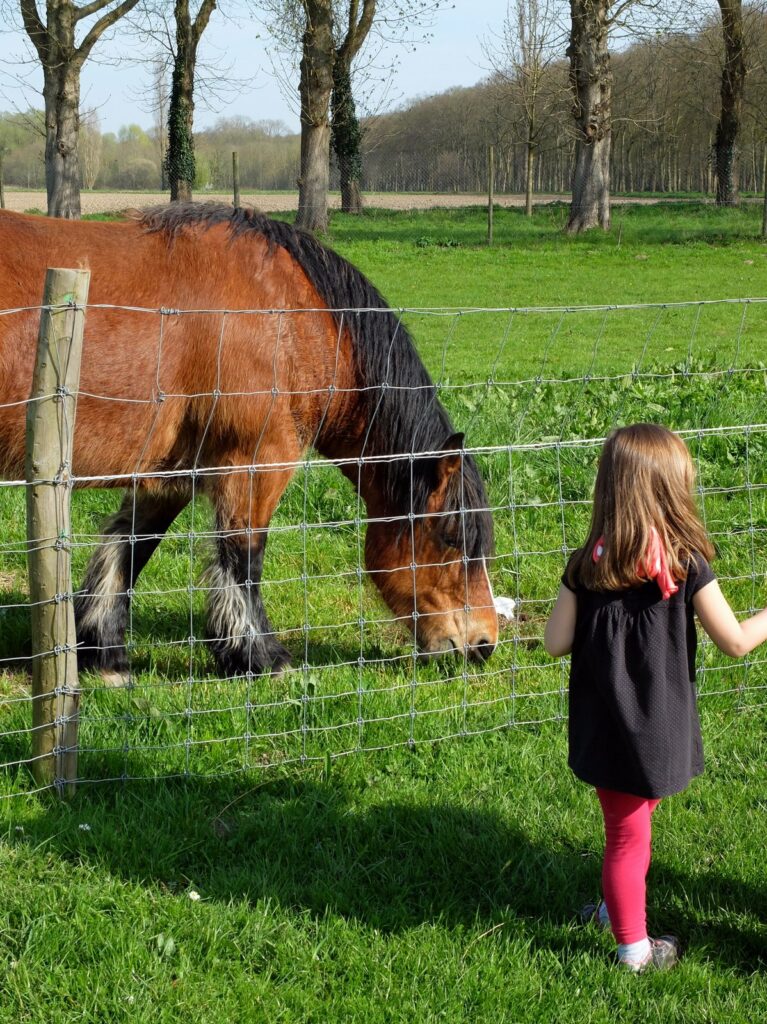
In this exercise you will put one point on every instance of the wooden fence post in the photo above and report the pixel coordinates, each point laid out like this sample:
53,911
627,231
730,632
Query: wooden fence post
50,432
490,184
236,178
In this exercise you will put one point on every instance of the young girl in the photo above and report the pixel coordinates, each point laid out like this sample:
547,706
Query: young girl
625,614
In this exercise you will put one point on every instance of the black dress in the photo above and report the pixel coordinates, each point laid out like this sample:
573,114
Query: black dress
633,722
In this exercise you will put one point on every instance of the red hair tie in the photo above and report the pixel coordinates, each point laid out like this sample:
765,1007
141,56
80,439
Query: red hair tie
654,566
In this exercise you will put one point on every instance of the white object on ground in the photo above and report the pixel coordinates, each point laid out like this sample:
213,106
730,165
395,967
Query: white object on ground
505,606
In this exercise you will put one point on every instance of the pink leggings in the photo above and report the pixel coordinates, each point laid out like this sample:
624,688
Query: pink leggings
627,859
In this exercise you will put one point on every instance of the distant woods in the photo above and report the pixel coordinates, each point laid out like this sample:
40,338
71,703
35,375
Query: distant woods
666,107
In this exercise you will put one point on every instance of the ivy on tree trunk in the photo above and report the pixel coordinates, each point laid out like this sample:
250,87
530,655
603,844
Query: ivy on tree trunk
346,137
179,160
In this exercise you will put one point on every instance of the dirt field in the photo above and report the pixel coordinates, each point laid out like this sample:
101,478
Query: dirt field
273,202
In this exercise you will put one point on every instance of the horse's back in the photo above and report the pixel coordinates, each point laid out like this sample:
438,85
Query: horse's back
156,379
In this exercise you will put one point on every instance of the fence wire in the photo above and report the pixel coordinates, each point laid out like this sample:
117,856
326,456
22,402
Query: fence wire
535,390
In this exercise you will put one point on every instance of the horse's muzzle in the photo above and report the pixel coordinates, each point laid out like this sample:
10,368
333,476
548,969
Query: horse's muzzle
478,652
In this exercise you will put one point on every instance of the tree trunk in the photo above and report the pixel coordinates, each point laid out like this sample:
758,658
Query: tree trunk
591,85
346,136
315,89
529,171
61,92
62,62
180,162
733,82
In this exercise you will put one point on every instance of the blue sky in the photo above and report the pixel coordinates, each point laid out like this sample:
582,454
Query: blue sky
453,57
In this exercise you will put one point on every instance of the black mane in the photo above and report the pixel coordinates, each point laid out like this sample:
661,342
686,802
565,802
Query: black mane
403,411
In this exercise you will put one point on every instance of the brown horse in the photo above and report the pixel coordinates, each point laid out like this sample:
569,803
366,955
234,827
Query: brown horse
170,401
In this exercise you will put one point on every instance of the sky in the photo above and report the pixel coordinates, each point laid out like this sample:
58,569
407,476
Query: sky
453,57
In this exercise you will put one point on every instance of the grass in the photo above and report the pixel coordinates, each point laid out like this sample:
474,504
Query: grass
436,881
440,884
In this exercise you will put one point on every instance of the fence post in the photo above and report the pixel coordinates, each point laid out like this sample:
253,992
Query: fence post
236,177
50,431
490,177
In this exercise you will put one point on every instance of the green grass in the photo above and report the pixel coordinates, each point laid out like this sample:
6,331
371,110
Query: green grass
440,884
431,881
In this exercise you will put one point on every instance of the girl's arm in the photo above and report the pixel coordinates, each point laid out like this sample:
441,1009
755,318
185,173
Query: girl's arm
560,629
718,619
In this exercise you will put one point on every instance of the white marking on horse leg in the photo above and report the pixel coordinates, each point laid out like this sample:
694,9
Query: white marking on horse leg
105,588
229,618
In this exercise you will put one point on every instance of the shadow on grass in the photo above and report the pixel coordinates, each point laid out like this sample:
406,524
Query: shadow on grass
334,848
160,647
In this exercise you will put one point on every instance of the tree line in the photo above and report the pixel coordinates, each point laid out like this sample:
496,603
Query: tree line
677,108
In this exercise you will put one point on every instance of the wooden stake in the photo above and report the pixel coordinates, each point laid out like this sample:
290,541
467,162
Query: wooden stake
236,177
50,433
490,177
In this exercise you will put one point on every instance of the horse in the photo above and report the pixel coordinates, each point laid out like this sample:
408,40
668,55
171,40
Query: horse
220,347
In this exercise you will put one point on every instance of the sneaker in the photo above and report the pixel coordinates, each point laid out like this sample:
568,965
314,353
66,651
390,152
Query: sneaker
664,954
595,913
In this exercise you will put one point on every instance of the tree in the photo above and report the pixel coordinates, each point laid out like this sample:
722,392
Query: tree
591,85
329,34
591,82
345,127
315,88
521,61
90,148
62,59
179,161
732,87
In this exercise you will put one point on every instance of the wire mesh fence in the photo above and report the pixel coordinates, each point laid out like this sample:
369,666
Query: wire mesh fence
219,636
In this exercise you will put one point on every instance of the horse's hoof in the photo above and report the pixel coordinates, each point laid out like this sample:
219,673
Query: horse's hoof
281,664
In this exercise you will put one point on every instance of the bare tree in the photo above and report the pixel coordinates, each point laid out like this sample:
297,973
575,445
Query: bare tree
591,83
330,34
90,148
315,88
62,59
521,58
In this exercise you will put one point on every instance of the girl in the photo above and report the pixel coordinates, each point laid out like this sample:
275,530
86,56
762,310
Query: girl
625,614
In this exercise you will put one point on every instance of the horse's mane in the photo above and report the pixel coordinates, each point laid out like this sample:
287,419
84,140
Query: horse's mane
403,410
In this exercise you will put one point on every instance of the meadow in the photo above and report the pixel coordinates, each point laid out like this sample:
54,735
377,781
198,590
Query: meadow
416,878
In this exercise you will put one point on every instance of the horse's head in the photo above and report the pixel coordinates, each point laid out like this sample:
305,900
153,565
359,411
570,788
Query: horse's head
429,559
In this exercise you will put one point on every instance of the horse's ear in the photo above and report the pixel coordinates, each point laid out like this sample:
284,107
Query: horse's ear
450,463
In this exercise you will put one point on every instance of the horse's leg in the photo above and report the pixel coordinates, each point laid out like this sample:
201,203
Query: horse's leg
102,606
241,637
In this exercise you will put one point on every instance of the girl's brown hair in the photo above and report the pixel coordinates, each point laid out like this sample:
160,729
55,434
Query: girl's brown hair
645,479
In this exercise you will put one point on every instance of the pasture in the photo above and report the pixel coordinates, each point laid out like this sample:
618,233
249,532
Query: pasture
416,879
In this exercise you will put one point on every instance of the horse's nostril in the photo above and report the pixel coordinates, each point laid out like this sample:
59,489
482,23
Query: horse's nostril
482,650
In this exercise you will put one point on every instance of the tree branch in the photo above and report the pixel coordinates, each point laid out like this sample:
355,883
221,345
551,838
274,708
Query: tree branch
35,29
201,21
358,30
97,30
91,8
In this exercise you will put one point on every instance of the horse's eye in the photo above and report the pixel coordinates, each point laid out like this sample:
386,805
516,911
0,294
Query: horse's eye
452,540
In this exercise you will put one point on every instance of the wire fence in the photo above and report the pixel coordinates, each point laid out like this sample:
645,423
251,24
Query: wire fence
203,665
